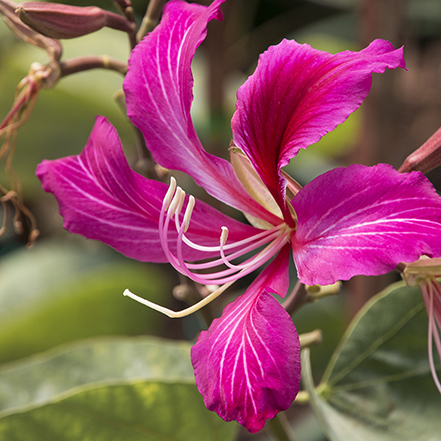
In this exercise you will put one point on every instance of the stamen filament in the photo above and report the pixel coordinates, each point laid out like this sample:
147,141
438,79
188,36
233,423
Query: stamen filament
234,255
223,240
253,264
237,244
433,332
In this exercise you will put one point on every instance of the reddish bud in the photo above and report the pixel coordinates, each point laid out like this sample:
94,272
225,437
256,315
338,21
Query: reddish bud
23,32
63,21
427,157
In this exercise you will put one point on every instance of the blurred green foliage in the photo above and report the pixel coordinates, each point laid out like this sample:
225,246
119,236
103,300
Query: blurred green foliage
378,384
131,389
59,292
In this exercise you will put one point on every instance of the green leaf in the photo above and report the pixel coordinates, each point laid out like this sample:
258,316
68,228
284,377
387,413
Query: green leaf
378,384
58,292
130,389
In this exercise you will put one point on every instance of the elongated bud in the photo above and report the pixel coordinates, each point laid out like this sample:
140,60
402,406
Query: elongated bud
427,157
23,32
63,21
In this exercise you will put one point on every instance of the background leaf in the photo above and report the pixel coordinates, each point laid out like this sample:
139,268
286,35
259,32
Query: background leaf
59,292
107,389
378,384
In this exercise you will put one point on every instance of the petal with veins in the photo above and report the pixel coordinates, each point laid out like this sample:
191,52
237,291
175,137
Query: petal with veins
364,220
101,198
247,365
158,90
296,95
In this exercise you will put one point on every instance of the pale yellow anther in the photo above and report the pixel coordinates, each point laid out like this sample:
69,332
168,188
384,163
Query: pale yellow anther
180,201
177,202
188,213
224,236
170,193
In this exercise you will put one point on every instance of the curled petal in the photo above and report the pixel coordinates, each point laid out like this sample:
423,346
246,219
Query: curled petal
298,94
158,90
364,220
101,198
247,365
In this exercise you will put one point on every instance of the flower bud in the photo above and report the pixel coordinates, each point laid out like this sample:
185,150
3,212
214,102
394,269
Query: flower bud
23,32
427,157
63,21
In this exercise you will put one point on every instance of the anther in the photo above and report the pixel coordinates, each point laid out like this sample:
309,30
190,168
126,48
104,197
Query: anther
224,236
188,213
177,202
169,194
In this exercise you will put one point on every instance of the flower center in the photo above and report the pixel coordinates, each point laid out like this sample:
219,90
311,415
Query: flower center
272,240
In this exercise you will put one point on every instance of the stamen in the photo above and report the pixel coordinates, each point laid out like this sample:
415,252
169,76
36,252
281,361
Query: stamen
274,239
223,240
281,234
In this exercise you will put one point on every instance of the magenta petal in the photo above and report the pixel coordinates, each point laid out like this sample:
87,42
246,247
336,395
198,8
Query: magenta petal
364,220
247,365
101,198
158,90
298,94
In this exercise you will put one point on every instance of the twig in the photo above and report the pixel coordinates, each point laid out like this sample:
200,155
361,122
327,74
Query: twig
151,18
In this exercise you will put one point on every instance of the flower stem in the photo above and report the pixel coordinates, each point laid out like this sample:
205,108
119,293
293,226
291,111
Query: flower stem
312,338
151,18
297,298
81,64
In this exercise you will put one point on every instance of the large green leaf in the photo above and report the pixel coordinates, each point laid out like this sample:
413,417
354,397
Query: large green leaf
107,389
378,385
58,292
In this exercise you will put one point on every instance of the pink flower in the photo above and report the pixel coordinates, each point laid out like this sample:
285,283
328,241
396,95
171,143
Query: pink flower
354,220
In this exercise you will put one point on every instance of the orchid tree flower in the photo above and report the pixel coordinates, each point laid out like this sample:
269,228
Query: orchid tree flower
348,221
